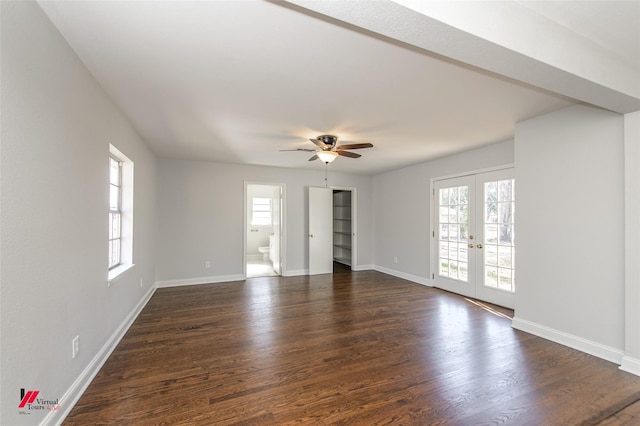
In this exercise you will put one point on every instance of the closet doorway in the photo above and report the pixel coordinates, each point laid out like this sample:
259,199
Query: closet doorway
343,226
332,228
264,229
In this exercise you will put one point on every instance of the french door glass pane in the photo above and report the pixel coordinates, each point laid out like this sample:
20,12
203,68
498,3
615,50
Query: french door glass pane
499,241
453,251
491,276
454,227
491,255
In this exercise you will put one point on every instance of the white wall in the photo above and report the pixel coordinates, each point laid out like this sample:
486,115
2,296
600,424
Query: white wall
570,228
200,217
402,208
57,124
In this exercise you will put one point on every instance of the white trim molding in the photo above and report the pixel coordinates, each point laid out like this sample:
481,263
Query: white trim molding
630,365
295,272
584,345
77,388
409,277
363,268
200,280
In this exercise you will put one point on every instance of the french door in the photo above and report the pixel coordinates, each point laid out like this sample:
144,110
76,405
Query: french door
474,236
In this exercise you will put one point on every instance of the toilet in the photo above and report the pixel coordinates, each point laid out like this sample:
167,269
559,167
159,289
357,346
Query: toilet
265,253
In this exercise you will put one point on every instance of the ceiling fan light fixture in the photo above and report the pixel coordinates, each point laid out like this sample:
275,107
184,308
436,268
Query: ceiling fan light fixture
327,156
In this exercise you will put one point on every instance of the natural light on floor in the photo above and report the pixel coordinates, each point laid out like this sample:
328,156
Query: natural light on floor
260,269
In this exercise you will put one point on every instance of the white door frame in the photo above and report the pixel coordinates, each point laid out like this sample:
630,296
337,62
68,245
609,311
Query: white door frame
434,209
283,227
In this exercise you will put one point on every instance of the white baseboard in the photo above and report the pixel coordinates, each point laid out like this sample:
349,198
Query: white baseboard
73,394
588,346
414,278
295,272
363,267
630,365
200,280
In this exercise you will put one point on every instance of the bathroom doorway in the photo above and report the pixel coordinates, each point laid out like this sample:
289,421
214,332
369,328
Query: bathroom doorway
264,225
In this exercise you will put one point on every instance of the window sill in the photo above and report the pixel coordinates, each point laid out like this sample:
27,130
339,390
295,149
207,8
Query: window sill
117,273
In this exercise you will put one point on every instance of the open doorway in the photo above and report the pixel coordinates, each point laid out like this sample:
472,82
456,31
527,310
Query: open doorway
343,226
264,223
332,229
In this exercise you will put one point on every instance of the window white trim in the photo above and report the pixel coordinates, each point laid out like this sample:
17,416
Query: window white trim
118,272
126,208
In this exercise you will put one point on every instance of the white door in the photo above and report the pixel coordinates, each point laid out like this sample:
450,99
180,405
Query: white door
320,231
454,235
495,246
474,235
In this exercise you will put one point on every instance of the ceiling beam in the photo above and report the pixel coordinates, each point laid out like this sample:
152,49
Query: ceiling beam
500,37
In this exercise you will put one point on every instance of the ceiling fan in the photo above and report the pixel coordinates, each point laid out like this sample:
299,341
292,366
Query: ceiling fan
330,150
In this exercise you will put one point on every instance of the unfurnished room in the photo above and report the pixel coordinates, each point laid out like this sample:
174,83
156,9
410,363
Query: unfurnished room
358,212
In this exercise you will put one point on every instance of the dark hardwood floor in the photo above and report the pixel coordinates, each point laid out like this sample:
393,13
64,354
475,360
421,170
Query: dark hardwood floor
348,348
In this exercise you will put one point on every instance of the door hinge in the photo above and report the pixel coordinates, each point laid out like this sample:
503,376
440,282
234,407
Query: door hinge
433,233
433,276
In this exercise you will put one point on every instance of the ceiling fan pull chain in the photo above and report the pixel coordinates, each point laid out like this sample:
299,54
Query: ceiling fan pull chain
326,182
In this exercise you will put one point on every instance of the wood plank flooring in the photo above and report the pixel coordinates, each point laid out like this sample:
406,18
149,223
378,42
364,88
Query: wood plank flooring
349,348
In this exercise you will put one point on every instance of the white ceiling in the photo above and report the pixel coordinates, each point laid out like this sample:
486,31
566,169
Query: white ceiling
236,81
614,25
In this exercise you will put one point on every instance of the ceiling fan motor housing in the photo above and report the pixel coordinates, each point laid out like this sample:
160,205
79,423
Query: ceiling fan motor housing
329,140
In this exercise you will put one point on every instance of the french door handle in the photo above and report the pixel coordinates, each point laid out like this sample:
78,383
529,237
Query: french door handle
479,246
470,245
311,235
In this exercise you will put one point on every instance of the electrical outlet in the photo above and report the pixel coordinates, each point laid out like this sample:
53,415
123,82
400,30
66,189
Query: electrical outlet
207,264
75,346
395,259
141,282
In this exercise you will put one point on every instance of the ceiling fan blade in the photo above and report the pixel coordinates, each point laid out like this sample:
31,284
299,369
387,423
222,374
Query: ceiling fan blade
355,146
315,157
348,154
319,143
300,149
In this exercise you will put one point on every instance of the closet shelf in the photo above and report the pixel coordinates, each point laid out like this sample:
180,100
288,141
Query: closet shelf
342,229
343,260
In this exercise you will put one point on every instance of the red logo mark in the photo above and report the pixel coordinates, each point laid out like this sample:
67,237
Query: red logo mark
28,398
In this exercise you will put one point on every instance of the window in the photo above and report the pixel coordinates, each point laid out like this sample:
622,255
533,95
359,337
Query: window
120,256
261,211
115,211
